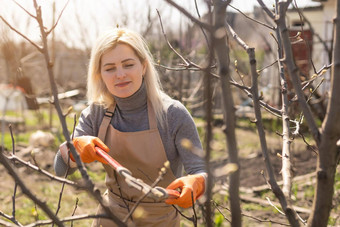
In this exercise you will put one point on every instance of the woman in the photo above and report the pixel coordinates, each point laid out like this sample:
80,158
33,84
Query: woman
132,119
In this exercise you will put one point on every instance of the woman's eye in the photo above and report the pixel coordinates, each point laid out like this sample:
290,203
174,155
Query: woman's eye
128,65
109,69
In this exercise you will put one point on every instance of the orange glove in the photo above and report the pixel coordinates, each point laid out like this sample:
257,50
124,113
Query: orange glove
85,147
187,184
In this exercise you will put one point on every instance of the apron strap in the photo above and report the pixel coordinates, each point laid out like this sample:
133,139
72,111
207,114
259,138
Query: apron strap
109,114
106,122
152,116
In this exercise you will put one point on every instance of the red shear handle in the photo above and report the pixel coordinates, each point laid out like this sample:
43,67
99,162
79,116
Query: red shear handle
107,158
172,194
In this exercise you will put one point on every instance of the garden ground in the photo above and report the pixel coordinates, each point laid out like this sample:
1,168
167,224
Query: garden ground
254,192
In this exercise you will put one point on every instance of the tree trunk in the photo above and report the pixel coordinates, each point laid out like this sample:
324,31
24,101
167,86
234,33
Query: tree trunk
222,52
329,153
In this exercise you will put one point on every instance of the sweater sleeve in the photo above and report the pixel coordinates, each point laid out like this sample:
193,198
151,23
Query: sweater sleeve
89,122
60,167
184,131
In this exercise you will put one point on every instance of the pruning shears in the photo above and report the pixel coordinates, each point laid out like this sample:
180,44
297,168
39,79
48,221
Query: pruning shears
156,193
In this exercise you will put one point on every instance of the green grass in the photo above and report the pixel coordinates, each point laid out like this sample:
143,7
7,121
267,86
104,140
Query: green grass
337,181
18,138
257,207
28,213
37,121
219,219
308,192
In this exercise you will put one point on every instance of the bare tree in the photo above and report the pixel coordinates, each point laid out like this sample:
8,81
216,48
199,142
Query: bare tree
326,139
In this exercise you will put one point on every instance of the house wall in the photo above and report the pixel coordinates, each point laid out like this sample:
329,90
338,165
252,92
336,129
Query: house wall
315,17
320,19
328,15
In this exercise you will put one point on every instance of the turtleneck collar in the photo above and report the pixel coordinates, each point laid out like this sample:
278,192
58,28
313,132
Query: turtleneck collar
134,102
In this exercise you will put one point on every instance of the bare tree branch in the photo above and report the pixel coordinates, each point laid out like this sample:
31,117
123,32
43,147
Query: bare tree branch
22,35
191,17
265,8
42,171
199,16
26,11
293,70
256,21
68,219
169,44
272,181
27,192
56,23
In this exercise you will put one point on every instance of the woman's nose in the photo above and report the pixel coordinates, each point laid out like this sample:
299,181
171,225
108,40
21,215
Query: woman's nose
120,73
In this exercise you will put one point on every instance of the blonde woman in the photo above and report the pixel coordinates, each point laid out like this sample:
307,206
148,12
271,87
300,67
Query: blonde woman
131,118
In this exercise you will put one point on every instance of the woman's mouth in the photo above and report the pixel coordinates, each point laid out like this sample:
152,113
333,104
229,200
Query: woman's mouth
122,84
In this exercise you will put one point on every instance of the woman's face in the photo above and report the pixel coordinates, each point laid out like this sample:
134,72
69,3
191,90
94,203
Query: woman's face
122,71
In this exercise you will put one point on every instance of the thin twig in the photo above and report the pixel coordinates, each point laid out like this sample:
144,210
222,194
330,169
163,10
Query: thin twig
199,16
260,70
68,219
191,17
22,35
178,69
265,8
15,184
169,44
270,202
10,218
42,171
56,23
26,11
159,178
252,19
74,210
67,171
183,215
307,42
193,209
217,207
27,192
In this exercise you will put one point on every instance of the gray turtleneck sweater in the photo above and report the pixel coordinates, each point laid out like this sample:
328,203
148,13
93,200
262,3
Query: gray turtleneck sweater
131,115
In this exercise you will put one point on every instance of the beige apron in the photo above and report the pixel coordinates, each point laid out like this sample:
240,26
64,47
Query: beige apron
143,153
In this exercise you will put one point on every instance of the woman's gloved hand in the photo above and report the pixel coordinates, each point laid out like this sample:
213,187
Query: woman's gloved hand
85,146
188,184
64,151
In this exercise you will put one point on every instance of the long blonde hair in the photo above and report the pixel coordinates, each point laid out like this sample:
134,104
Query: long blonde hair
96,90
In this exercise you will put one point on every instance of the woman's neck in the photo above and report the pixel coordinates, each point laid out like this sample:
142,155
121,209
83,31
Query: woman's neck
134,102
